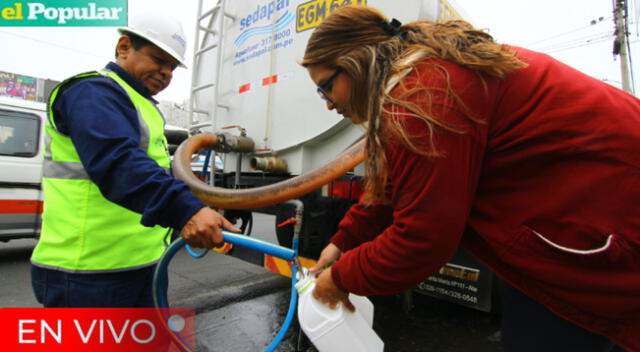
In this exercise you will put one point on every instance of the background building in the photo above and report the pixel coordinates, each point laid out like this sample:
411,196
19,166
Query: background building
25,87
38,89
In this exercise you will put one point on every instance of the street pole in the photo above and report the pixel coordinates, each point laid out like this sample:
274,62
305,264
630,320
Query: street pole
620,47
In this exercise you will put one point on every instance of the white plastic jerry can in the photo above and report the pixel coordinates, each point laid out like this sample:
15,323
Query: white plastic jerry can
336,330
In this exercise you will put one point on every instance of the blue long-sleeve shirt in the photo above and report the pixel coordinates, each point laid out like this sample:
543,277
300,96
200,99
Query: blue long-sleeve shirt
99,117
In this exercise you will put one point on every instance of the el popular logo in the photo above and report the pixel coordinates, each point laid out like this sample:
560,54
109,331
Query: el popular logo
76,13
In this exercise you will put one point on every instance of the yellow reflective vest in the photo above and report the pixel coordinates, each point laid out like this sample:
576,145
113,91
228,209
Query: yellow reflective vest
82,231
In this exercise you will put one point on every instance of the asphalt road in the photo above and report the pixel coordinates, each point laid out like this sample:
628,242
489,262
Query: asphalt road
240,306
15,283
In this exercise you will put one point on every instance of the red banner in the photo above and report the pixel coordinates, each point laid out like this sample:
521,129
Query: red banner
97,329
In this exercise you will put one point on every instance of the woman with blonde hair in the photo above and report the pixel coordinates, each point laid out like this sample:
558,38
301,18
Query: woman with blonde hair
530,165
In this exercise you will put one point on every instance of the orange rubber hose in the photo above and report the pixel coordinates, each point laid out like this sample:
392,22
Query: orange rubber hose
260,196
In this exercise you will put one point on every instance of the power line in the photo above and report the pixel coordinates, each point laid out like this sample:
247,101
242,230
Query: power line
576,41
600,20
592,42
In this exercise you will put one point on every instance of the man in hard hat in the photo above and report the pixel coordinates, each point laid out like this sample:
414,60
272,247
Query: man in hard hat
109,195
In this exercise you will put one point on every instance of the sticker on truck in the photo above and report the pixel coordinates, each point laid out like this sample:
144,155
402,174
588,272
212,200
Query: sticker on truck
263,30
310,14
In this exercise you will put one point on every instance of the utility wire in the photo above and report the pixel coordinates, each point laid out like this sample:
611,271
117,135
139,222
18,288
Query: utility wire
579,39
592,42
576,41
571,31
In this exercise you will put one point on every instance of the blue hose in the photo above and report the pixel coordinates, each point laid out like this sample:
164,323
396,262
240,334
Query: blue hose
293,303
203,173
194,254
260,245
160,284
160,278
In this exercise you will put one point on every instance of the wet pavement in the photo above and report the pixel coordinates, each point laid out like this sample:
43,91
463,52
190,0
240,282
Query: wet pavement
243,309
241,306
435,326
432,326
246,326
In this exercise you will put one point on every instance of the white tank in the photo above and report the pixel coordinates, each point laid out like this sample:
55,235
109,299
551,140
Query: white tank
246,74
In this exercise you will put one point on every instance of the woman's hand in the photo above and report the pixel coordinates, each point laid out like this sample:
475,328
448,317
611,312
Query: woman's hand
328,293
329,254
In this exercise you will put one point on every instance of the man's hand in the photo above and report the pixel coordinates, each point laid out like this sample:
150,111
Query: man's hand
204,229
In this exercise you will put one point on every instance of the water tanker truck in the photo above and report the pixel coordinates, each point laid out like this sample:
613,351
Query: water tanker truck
269,125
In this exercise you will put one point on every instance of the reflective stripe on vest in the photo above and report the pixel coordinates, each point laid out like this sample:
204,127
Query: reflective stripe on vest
82,231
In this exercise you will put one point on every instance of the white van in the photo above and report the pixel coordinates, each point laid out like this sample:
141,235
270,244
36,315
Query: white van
21,158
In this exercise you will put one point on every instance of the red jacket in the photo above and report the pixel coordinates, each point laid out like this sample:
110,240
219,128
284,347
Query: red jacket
545,191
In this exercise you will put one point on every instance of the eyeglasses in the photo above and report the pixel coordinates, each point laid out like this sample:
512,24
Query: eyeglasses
325,87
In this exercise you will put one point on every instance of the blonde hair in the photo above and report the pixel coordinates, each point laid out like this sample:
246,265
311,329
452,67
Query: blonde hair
373,52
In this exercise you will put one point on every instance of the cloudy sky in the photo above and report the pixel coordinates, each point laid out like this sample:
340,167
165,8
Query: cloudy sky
561,28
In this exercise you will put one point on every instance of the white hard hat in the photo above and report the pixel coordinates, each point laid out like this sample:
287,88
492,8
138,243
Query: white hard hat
162,30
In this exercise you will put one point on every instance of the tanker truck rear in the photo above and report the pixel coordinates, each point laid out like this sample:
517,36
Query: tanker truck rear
248,88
